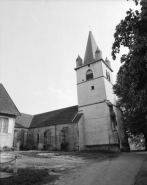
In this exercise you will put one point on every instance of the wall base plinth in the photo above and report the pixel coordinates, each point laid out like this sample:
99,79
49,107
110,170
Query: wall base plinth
114,148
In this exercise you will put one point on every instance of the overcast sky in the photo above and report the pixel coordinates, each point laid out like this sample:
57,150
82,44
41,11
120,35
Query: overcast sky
40,41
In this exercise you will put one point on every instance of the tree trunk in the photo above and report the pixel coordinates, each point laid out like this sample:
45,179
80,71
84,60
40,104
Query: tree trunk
145,138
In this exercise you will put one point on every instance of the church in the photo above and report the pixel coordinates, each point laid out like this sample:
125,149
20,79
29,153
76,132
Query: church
95,124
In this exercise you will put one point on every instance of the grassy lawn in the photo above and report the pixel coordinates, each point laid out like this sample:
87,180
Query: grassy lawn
84,155
29,176
39,176
141,178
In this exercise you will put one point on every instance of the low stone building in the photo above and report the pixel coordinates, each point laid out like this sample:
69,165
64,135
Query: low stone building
22,124
8,114
55,130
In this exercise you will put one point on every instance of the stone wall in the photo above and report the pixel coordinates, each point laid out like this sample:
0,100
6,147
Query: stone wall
20,138
55,137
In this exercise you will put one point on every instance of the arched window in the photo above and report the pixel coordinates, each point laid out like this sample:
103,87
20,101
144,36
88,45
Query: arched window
89,74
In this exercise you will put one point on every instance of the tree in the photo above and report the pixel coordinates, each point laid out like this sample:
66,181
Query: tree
131,82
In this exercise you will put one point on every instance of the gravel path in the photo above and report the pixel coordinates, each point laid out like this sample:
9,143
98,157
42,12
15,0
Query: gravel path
115,171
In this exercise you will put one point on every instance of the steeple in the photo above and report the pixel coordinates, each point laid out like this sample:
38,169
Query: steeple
107,61
90,49
98,54
78,61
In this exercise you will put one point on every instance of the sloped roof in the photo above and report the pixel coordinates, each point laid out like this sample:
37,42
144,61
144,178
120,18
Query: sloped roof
77,118
23,121
90,49
7,106
56,117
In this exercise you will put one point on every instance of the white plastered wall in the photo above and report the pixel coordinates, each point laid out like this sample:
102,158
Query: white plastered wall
81,127
6,139
96,67
88,96
96,120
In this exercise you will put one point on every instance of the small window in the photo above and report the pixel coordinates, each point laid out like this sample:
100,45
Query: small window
89,74
92,87
108,75
4,125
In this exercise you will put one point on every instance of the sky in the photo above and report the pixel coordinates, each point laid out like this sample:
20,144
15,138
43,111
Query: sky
40,41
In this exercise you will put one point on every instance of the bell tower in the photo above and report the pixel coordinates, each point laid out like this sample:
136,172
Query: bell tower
94,88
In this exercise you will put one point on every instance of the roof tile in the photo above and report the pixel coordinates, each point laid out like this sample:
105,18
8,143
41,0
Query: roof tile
7,106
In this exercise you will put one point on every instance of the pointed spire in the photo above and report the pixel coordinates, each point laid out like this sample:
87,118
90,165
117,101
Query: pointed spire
78,61
98,54
90,49
108,62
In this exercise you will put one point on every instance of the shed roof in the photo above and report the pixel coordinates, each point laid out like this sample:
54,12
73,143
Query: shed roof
7,106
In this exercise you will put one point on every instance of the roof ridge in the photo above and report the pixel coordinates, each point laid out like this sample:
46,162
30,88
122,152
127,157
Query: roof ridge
60,116
5,91
26,114
55,110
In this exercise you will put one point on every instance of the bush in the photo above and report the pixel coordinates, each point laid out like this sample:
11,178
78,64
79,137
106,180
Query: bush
7,148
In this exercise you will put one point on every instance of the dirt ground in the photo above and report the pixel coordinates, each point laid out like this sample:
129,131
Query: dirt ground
88,168
60,164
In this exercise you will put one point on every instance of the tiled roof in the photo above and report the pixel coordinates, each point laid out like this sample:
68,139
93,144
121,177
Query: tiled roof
23,121
7,106
17,125
56,117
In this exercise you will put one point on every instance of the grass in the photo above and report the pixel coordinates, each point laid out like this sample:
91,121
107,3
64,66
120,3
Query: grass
84,155
29,176
141,178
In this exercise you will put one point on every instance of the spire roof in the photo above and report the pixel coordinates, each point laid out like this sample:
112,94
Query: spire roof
78,58
7,106
90,49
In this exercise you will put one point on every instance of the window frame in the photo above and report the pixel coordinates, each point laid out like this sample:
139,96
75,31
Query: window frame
4,129
89,76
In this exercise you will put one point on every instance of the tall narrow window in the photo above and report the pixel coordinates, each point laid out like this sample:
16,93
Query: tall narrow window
89,74
4,125
37,138
108,75
15,138
25,138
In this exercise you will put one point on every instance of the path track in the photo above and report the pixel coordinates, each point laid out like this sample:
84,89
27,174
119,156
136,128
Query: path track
115,171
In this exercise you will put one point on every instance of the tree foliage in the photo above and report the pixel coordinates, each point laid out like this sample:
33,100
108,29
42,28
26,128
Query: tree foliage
131,83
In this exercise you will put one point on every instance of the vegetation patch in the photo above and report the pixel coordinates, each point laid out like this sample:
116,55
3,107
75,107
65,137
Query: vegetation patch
141,179
29,176
83,155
